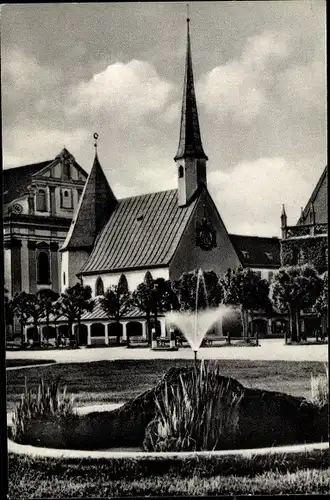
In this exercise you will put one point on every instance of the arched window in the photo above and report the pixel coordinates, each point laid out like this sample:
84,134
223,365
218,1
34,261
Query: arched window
181,171
295,256
66,198
99,287
41,200
43,268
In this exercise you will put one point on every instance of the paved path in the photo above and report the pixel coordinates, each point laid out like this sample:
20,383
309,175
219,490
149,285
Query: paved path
269,350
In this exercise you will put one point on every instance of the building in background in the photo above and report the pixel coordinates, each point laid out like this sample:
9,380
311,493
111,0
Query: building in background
39,203
307,241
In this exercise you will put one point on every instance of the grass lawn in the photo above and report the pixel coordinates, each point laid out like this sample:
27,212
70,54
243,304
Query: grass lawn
50,478
26,362
113,381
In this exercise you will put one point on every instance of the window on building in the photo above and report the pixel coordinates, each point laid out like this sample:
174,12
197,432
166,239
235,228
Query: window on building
66,198
41,200
270,275
295,253
43,268
181,172
99,287
269,256
258,273
64,279
66,171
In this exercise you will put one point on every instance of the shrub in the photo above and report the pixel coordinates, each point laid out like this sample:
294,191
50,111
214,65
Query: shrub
198,413
320,388
49,402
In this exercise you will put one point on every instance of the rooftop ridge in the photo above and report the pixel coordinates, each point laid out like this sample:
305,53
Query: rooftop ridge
44,162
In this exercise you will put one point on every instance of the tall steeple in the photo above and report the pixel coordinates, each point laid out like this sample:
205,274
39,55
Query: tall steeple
190,157
96,204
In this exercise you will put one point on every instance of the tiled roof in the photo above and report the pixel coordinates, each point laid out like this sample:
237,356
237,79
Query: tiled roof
256,251
96,204
142,231
97,314
190,143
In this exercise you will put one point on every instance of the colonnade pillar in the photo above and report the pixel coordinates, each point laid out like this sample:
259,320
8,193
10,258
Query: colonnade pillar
269,327
144,329
124,323
89,338
106,334
162,328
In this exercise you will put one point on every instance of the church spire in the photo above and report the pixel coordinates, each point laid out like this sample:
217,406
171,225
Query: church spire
190,143
96,203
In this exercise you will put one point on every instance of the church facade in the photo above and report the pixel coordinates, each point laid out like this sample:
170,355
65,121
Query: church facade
39,202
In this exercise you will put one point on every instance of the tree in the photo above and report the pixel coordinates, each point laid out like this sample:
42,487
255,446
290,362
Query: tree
321,303
296,288
143,298
73,303
20,307
117,302
47,298
206,285
246,289
36,309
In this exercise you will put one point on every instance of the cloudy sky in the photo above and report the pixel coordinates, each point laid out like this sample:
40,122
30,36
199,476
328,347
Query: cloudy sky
69,70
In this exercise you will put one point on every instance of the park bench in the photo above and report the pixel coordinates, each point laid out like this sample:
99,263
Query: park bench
161,342
11,344
209,341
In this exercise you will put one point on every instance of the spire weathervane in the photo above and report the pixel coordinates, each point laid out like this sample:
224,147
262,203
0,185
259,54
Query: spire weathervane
96,136
188,12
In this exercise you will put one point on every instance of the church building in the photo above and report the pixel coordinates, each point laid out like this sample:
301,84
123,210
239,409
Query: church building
165,232
39,202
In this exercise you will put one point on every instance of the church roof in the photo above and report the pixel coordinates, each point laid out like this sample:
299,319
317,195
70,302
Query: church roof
96,204
190,143
17,179
322,180
142,231
257,251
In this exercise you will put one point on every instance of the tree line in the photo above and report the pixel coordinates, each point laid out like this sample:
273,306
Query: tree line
293,289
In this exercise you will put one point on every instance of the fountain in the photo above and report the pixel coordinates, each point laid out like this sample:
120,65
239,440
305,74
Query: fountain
195,324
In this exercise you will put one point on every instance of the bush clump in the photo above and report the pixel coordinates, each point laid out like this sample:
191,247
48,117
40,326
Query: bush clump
320,388
196,413
49,405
